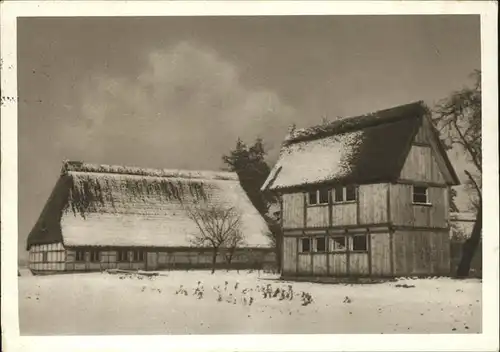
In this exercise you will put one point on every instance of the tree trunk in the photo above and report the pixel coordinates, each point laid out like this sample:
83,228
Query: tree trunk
470,245
279,252
214,260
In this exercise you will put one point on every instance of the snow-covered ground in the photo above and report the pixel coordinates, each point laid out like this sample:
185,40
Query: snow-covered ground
101,303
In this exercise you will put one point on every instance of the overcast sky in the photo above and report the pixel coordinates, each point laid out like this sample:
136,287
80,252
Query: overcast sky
178,92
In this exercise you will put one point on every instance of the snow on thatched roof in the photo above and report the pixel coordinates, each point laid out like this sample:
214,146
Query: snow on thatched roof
103,205
363,149
77,166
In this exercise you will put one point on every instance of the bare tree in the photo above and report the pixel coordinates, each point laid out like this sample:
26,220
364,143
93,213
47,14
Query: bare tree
219,228
458,119
235,241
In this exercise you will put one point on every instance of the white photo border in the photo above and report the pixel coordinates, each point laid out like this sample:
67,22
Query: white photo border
12,341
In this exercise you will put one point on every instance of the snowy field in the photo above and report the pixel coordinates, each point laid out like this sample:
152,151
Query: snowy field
102,303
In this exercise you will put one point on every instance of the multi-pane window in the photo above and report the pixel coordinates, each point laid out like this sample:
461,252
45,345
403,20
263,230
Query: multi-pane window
138,256
80,256
344,194
359,243
420,194
338,244
95,256
123,255
320,196
320,244
305,245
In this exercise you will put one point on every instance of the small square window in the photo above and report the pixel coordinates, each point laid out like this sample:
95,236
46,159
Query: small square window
337,244
350,193
320,244
323,196
306,245
420,194
359,243
313,198
339,194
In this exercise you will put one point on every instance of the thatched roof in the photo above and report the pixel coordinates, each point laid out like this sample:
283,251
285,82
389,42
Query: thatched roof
103,205
364,149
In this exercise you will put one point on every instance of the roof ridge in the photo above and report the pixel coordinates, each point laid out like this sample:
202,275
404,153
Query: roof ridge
353,123
80,166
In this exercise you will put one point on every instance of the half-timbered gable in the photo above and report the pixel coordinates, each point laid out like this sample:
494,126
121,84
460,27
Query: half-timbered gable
366,195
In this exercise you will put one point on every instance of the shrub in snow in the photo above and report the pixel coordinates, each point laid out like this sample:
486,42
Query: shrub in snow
306,298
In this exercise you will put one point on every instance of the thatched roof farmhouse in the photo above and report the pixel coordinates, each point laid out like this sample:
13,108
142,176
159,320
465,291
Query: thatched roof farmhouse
113,208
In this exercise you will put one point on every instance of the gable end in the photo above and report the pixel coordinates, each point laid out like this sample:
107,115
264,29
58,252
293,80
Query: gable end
426,159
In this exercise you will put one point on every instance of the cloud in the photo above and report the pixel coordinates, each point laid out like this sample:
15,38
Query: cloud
185,108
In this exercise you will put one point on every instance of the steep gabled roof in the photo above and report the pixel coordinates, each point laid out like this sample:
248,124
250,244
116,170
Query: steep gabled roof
103,205
363,149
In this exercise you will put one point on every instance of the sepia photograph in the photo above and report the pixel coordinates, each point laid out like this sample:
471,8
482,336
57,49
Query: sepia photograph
249,175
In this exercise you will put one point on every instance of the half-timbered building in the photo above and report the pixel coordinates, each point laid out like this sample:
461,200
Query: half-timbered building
365,196
103,217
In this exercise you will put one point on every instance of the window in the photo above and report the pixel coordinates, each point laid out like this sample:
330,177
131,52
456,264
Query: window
95,256
80,256
44,257
123,256
350,193
305,245
313,198
345,194
323,196
359,243
138,256
420,195
337,244
318,197
320,244
339,194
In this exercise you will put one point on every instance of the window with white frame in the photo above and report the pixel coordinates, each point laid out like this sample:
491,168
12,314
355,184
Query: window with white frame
138,256
305,245
80,256
320,244
317,197
420,195
95,256
343,194
338,244
123,255
350,193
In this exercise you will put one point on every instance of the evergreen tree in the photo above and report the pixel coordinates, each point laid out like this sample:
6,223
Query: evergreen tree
249,164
